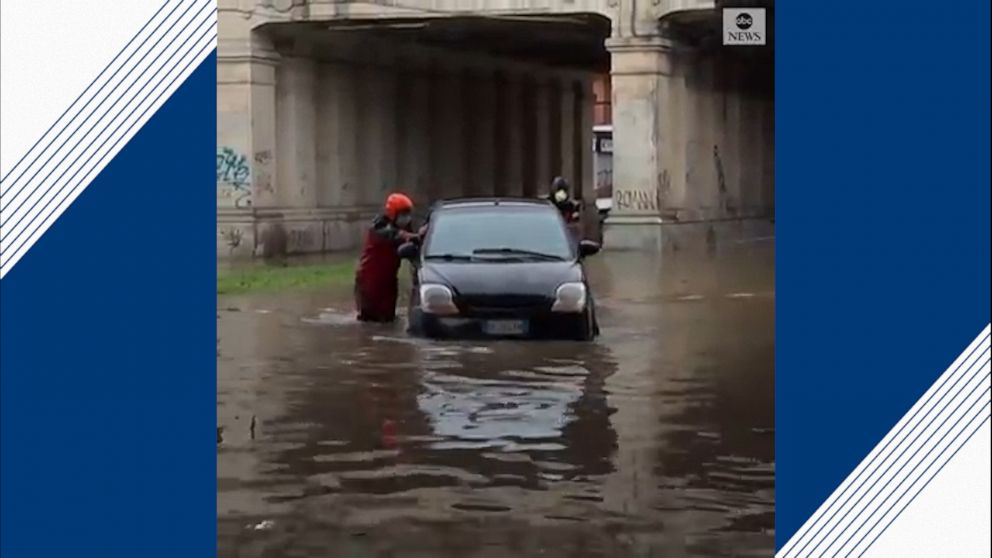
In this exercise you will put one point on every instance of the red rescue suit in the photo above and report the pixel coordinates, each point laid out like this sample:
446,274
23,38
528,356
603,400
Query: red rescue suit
376,286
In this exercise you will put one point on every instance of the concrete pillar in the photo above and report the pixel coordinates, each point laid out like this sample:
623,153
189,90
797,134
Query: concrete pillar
296,132
566,143
556,100
641,87
482,133
348,107
530,140
377,130
512,118
703,197
414,106
246,124
587,185
730,143
672,194
500,132
449,148
329,132
542,148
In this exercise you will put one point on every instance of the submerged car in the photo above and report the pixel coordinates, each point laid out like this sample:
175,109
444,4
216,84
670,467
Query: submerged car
502,267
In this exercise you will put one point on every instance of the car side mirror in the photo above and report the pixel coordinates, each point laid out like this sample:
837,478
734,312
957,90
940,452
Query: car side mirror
588,248
408,251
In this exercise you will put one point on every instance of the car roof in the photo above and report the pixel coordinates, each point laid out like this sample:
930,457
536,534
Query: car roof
469,202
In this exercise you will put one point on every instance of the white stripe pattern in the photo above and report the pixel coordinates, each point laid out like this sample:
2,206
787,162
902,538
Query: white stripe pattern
903,463
100,122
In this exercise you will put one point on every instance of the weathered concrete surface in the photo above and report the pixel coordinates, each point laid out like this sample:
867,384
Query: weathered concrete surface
352,121
318,118
692,142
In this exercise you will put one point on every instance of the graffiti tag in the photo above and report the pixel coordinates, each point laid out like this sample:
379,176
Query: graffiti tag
232,237
232,168
233,178
643,200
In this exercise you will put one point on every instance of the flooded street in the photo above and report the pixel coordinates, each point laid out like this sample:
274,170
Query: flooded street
343,439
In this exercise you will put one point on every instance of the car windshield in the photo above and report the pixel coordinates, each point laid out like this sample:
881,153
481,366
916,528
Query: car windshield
498,232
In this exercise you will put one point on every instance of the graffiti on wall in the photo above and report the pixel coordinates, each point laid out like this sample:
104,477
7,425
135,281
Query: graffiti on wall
232,237
233,179
643,199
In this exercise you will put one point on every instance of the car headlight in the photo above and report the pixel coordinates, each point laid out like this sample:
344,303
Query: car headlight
570,297
437,299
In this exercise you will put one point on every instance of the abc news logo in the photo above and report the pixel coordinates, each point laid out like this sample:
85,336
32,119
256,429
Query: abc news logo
744,26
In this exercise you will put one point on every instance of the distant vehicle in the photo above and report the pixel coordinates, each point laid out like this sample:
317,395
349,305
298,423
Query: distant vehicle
500,267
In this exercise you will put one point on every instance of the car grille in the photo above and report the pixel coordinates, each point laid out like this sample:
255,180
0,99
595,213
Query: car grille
503,304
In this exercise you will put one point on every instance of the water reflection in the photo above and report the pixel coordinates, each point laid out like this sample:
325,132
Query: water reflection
655,440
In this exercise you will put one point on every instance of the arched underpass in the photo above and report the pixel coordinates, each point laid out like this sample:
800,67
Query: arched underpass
433,107
319,119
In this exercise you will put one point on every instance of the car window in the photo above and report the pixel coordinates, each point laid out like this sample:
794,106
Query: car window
465,231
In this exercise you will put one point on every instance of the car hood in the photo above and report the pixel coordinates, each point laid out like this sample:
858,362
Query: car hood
513,278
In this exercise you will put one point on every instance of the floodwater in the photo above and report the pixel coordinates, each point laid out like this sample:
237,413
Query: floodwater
344,439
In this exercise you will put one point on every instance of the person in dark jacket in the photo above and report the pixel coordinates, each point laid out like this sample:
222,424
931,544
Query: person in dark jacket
376,285
562,198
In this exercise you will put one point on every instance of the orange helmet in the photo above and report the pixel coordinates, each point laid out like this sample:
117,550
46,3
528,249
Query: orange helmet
396,204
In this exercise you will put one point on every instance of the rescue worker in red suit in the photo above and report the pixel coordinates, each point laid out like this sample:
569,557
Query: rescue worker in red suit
376,285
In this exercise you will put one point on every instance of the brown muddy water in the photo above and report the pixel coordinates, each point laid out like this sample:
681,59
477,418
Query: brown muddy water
344,439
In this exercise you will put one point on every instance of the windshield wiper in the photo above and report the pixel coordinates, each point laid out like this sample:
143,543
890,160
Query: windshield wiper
449,257
519,252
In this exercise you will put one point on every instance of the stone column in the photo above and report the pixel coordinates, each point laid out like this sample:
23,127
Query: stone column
529,151
566,143
417,142
512,115
449,118
729,143
542,148
335,134
296,133
587,184
246,122
706,146
641,90
482,128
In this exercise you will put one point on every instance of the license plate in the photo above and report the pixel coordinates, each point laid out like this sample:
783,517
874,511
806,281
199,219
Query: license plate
504,327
